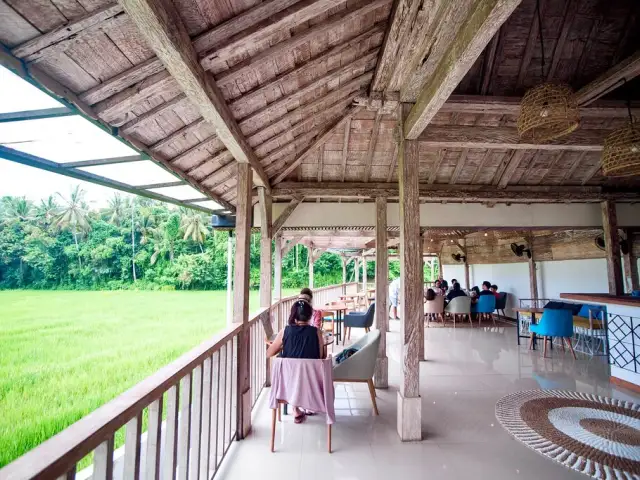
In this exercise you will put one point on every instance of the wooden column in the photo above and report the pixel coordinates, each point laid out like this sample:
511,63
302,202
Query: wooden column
265,247
356,273
230,279
364,274
241,296
277,268
423,243
381,373
409,403
343,260
533,275
612,247
312,259
630,265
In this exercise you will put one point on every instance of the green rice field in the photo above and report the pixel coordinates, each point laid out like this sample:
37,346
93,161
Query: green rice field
65,353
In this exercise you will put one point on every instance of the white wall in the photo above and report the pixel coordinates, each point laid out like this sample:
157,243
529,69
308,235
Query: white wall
572,276
554,278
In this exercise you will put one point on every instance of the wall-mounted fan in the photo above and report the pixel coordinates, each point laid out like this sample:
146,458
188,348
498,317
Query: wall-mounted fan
600,243
520,250
458,257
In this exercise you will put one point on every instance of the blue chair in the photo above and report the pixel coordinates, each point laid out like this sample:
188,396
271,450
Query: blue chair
554,323
485,306
359,320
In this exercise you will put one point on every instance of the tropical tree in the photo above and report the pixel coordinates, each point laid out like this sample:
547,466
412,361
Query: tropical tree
165,238
17,209
47,210
116,209
194,226
146,223
73,216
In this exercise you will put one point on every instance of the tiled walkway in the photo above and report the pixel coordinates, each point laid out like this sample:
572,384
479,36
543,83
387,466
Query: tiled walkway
467,371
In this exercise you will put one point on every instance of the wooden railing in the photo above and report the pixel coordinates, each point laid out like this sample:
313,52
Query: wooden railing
190,407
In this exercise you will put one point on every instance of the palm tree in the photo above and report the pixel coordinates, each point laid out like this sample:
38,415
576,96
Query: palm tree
47,209
145,225
73,216
193,225
116,208
165,237
17,209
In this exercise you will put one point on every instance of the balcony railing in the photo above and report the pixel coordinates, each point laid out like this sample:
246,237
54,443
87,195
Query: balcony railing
191,409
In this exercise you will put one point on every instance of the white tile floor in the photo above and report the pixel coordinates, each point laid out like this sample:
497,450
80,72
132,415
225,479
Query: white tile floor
466,372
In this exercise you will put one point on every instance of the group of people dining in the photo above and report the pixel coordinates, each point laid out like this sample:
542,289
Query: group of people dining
441,287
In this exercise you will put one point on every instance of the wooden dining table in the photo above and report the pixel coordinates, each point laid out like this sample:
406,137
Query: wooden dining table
339,308
533,311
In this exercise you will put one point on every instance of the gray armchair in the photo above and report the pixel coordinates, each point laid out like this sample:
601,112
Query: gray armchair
360,366
359,320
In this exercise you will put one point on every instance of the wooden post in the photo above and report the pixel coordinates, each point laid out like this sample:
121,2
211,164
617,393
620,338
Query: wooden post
630,265
533,275
343,260
381,373
311,260
230,279
612,247
265,247
364,274
423,242
356,273
241,296
277,268
409,402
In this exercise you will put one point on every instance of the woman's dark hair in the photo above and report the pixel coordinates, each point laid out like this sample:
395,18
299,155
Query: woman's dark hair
437,283
486,284
306,291
431,295
453,281
495,287
301,311
476,289
456,286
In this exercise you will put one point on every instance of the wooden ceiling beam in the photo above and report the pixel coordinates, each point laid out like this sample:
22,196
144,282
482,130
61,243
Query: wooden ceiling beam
105,161
613,78
591,172
345,146
320,164
284,216
160,25
532,41
394,162
511,167
267,56
434,171
320,140
460,193
459,166
576,163
570,8
372,146
480,169
452,136
482,23
488,63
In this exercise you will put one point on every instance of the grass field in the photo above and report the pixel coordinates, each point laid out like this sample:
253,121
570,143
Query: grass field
64,353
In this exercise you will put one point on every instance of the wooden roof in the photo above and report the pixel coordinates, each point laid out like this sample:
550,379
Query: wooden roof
307,90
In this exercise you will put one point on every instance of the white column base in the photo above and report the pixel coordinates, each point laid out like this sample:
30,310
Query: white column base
409,418
381,373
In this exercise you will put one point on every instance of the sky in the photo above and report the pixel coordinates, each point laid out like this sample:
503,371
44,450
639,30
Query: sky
67,139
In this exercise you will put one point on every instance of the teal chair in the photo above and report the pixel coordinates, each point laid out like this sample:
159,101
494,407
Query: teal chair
554,323
485,306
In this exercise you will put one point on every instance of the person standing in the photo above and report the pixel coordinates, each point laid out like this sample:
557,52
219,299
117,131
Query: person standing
394,297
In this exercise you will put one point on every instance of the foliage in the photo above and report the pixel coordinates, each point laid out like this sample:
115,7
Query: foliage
64,244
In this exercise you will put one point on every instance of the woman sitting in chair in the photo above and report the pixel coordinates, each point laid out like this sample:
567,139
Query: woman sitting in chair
299,340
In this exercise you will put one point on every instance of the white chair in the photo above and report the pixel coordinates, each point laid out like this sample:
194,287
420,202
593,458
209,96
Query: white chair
360,366
459,306
434,309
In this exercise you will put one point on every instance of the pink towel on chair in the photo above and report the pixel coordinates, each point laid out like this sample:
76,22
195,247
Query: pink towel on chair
304,383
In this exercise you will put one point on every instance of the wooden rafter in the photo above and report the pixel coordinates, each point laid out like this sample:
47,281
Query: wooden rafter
511,167
476,176
320,140
460,165
160,25
434,171
394,162
588,46
488,63
372,146
105,161
554,162
470,193
615,77
569,173
286,213
452,136
484,20
568,16
532,41
320,164
345,146
591,172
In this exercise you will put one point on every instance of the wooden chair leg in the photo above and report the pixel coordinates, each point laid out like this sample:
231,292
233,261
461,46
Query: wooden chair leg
372,392
571,348
544,353
531,337
329,437
562,341
273,430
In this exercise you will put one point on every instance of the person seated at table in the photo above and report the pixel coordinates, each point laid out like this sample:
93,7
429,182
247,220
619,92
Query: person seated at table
431,295
486,289
456,291
494,290
394,296
300,340
454,282
437,286
474,293
316,317
443,283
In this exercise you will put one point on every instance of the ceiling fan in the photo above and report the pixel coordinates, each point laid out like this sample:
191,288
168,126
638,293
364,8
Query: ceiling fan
458,257
601,244
520,250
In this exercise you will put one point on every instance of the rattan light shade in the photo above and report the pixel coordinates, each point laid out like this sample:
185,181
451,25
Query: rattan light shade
548,111
621,153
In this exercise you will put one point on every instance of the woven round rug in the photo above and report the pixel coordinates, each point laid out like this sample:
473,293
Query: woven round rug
594,435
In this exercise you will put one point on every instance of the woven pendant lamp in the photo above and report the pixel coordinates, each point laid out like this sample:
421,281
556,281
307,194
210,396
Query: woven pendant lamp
548,110
621,152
